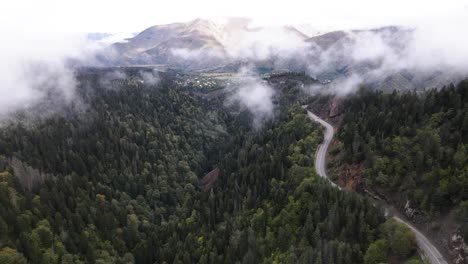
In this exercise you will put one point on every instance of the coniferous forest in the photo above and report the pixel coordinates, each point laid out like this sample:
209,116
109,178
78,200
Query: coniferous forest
115,178
414,145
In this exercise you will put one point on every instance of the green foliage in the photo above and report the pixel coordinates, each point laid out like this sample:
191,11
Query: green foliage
377,252
414,261
400,238
411,144
397,240
124,185
11,256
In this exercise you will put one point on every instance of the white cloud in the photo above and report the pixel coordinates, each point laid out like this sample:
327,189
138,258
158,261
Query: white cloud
34,66
117,37
253,94
150,78
440,44
107,79
342,86
425,50
38,36
262,43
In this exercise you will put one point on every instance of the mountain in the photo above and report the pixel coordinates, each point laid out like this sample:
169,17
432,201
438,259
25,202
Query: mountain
166,44
327,40
198,44
108,38
193,35
380,57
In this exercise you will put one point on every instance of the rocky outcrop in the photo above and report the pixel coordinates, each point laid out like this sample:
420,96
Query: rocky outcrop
336,107
414,214
409,211
459,248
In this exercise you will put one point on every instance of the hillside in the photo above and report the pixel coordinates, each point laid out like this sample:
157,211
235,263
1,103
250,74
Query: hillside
182,45
380,57
410,150
124,174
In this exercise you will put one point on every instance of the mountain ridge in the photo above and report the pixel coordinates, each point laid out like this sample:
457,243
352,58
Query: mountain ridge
205,45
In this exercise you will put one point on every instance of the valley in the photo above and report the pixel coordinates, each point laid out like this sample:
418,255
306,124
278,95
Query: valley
243,132
134,191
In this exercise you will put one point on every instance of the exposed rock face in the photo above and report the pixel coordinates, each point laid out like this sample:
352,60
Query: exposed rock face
409,212
335,107
351,177
459,249
27,176
414,214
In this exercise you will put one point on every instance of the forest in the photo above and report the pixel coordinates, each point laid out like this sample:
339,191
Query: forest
413,144
115,179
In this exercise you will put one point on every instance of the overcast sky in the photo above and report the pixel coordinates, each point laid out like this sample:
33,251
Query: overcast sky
113,16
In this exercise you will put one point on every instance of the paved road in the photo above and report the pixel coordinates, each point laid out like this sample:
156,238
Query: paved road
430,251
320,156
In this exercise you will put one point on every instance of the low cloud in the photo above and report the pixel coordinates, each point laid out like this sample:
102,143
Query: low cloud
427,55
36,67
254,94
108,39
150,77
440,45
109,79
264,43
341,86
239,40
115,78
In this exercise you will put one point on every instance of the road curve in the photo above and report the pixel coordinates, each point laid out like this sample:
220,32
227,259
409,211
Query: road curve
320,156
429,250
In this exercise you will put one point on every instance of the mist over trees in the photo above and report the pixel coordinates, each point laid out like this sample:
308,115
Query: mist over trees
124,184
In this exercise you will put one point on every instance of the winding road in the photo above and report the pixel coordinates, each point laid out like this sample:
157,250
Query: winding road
429,250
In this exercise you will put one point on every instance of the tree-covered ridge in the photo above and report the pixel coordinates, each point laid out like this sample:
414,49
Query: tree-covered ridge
123,184
127,163
293,215
412,144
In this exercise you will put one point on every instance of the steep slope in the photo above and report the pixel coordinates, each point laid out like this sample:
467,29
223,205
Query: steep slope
425,245
201,37
380,58
413,147
161,44
203,44
126,182
149,38
327,40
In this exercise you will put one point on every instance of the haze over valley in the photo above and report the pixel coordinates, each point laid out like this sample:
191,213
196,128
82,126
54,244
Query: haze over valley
234,132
